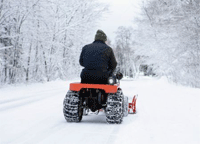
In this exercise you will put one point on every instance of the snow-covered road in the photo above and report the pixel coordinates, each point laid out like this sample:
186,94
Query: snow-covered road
166,114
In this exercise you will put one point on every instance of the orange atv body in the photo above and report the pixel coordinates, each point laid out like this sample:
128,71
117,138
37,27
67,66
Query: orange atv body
107,88
83,97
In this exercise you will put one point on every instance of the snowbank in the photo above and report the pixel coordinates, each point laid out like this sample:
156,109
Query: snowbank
166,114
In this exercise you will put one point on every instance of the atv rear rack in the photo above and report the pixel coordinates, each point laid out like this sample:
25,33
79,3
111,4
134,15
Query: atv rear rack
107,88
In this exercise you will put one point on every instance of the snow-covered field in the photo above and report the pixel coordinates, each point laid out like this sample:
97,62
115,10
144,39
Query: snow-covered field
166,114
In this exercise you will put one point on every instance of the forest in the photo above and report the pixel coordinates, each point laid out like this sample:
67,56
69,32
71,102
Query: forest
41,40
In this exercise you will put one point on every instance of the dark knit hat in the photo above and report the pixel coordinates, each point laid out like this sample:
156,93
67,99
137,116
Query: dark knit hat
100,35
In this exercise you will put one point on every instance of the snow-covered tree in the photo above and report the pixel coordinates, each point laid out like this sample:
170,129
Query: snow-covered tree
124,51
41,40
168,39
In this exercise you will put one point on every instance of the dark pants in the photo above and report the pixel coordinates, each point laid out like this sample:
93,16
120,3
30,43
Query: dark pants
94,76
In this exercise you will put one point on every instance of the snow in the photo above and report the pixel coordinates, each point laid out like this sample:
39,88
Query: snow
166,114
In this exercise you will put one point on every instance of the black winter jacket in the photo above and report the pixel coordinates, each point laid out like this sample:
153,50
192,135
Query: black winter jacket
98,61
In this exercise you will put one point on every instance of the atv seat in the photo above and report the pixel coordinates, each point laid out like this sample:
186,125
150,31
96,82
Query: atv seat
107,88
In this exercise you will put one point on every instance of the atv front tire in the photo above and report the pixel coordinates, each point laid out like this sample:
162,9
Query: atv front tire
85,111
72,107
125,106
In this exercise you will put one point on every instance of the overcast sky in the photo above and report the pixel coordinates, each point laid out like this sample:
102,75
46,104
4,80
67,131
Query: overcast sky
121,13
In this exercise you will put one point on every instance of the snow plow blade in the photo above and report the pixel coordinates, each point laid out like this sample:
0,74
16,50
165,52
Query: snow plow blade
132,106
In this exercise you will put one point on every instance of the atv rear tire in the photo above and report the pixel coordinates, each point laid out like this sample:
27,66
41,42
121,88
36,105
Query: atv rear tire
114,109
72,107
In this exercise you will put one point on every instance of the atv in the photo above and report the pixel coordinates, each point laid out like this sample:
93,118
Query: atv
109,97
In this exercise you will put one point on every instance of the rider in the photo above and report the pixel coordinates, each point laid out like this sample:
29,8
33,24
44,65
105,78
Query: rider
98,60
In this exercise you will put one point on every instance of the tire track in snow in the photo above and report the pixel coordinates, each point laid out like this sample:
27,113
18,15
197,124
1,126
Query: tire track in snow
45,130
35,94
27,100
